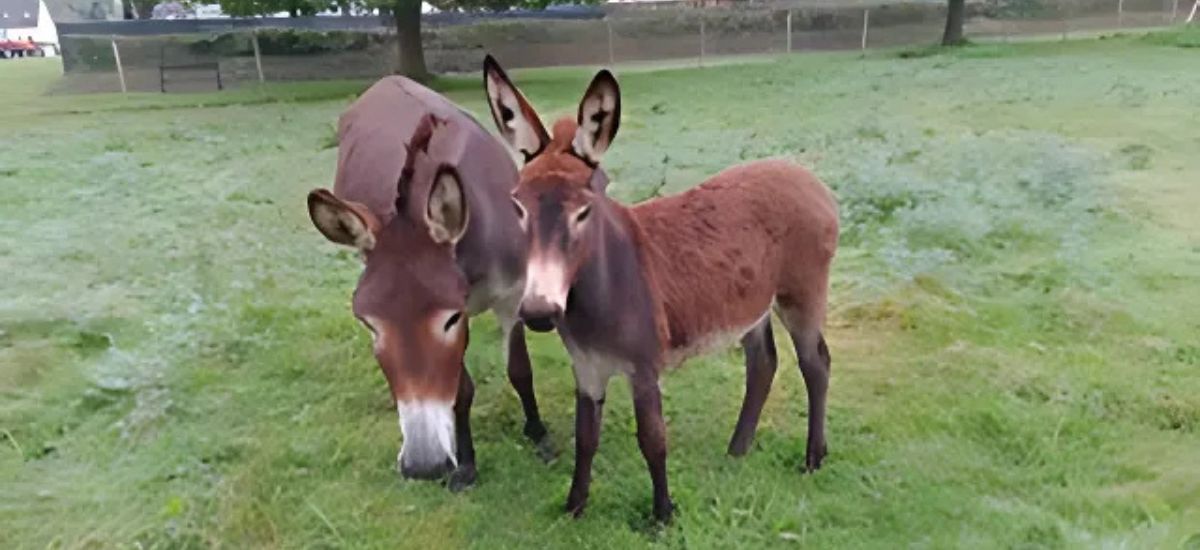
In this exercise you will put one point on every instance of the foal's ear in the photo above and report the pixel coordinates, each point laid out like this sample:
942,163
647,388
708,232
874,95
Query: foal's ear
446,213
515,118
343,222
599,117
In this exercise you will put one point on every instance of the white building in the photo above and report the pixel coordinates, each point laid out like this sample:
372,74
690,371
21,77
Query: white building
24,18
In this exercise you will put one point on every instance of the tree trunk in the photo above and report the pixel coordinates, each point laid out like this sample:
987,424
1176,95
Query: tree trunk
407,14
954,23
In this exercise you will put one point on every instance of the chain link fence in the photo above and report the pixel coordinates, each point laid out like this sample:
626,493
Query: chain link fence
217,55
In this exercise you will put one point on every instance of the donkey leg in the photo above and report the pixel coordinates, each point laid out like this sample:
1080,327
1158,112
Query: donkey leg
815,367
588,418
520,375
652,438
464,475
759,346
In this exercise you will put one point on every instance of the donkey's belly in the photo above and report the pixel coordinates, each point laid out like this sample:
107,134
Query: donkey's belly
711,341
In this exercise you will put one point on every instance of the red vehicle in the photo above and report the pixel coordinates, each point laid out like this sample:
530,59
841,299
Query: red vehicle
18,48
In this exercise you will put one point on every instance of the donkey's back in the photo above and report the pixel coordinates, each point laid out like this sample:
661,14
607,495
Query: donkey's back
375,131
377,136
754,234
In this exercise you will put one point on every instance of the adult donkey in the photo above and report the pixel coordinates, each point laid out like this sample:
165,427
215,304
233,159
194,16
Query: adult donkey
422,190
635,290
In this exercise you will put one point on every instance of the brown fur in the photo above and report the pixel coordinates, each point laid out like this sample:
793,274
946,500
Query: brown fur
720,253
556,160
422,190
656,283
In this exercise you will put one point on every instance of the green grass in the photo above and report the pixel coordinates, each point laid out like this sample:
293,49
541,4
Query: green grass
1013,325
1180,37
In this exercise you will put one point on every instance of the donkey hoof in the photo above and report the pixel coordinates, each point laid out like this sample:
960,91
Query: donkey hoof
663,513
813,459
534,430
537,433
461,479
546,451
739,447
576,505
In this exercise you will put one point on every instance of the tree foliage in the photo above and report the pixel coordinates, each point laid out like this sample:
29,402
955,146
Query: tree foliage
406,16
499,5
251,8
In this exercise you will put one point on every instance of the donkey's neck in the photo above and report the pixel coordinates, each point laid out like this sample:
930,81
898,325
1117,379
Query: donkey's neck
613,305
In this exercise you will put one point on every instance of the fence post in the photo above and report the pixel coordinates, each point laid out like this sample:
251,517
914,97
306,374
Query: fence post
1120,14
120,69
612,58
789,31
1062,12
866,25
701,42
257,56
1174,11
162,71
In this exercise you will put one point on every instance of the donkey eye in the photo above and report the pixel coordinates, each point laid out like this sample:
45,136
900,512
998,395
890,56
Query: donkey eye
453,320
583,214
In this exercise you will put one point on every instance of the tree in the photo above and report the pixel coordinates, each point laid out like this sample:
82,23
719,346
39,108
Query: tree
407,16
139,9
954,23
252,8
410,50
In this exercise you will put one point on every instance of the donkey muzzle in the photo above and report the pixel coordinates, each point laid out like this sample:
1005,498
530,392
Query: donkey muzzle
415,469
539,315
428,451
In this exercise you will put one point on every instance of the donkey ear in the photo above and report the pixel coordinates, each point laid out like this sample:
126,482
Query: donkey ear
343,222
446,213
515,118
599,117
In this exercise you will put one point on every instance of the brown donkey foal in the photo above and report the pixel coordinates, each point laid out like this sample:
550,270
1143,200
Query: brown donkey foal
635,290
422,191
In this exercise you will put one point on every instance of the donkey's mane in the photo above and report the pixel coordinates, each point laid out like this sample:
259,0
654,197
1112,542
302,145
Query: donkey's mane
419,142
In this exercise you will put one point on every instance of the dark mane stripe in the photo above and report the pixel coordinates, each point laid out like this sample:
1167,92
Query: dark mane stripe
419,142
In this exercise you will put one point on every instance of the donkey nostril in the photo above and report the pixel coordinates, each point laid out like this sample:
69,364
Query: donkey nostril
540,324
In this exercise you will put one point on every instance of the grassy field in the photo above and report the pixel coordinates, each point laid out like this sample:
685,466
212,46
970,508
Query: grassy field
1014,329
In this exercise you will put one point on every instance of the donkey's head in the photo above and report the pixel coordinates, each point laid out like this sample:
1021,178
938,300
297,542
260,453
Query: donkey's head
412,296
561,187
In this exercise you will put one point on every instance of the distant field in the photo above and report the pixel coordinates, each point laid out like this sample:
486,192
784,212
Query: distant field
1014,323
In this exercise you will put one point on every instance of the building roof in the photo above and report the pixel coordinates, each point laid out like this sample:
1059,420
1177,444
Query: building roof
18,14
